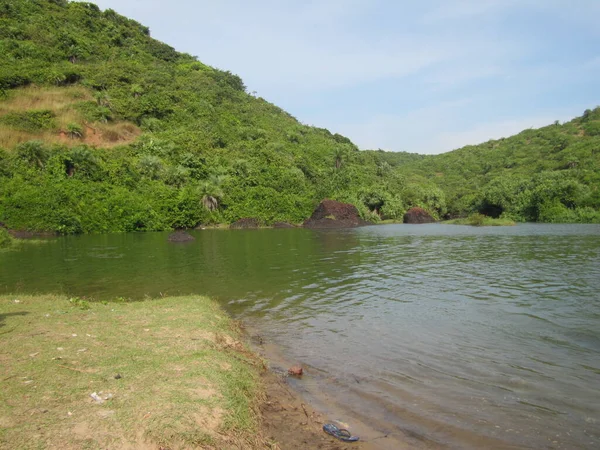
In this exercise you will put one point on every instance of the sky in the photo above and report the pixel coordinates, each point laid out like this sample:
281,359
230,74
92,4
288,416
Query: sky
423,76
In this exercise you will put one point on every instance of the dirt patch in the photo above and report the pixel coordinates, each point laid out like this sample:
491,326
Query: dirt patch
22,234
418,215
332,214
209,420
246,223
204,392
292,424
107,135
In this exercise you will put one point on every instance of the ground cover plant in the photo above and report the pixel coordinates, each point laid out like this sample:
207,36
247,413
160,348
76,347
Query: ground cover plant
168,373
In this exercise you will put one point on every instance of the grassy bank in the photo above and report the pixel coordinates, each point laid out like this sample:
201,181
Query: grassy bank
479,220
168,373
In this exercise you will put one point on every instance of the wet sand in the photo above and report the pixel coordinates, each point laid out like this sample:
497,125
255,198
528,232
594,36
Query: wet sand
294,412
297,408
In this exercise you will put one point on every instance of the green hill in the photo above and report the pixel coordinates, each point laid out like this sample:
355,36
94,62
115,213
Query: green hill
103,128
551,174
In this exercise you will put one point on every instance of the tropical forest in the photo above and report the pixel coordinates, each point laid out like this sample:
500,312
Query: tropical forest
105,129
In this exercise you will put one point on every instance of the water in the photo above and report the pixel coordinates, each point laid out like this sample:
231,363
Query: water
447,335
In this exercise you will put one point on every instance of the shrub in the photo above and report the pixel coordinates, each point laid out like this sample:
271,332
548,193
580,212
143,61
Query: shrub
75,131
33,152
476,219
31,121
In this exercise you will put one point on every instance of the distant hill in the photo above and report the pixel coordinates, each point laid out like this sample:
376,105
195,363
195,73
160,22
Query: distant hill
103,128
550,174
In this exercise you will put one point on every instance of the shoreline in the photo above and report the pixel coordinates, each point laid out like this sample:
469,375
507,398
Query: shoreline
305,394
159,374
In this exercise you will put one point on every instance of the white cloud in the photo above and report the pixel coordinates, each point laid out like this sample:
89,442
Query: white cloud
305,47
456,76
310,56
451,140
466,9
437,129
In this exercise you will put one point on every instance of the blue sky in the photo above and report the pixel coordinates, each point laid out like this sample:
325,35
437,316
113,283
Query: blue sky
422,76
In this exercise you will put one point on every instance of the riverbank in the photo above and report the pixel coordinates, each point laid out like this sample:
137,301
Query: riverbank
160,374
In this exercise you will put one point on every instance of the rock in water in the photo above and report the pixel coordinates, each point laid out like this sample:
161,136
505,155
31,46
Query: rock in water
295,371
181,236
333,214
418,215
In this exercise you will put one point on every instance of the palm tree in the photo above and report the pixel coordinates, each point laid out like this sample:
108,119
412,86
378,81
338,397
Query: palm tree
341,154
211,192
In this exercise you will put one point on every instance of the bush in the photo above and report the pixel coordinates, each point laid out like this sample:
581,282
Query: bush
33,153
32,121
75,131
476,219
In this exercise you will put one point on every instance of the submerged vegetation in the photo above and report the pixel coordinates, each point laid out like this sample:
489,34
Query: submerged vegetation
480,220
104,129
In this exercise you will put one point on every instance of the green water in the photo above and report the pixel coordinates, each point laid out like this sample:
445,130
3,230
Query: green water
471,337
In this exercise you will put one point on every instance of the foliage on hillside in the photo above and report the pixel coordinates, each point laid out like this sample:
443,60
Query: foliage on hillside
209,152
550,174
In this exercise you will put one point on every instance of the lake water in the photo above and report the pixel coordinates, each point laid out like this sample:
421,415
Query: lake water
448,336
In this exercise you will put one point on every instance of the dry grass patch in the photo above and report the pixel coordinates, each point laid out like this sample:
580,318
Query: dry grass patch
64,103
163,373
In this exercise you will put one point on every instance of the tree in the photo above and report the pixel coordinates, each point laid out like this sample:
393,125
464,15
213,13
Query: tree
211,192
340,155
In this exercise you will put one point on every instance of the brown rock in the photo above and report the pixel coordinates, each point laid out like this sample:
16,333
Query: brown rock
333,214
295,371
181,236
418,215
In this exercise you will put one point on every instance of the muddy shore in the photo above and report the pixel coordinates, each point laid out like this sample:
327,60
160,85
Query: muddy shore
293,419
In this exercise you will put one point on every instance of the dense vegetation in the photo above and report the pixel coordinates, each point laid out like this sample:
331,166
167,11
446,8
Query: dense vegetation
551,174
103,128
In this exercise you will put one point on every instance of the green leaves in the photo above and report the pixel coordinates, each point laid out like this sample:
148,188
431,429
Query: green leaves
209,152
32,120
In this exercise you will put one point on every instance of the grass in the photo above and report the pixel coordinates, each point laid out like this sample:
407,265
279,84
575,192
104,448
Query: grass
479,220
66,105
170,372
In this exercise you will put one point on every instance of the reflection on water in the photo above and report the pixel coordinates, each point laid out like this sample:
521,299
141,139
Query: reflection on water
469,336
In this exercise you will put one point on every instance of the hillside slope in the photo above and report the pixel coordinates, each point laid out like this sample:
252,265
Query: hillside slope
104,129
209,152
550,174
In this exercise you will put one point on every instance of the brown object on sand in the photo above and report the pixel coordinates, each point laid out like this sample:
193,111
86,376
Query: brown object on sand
295,371
418,215
333,214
